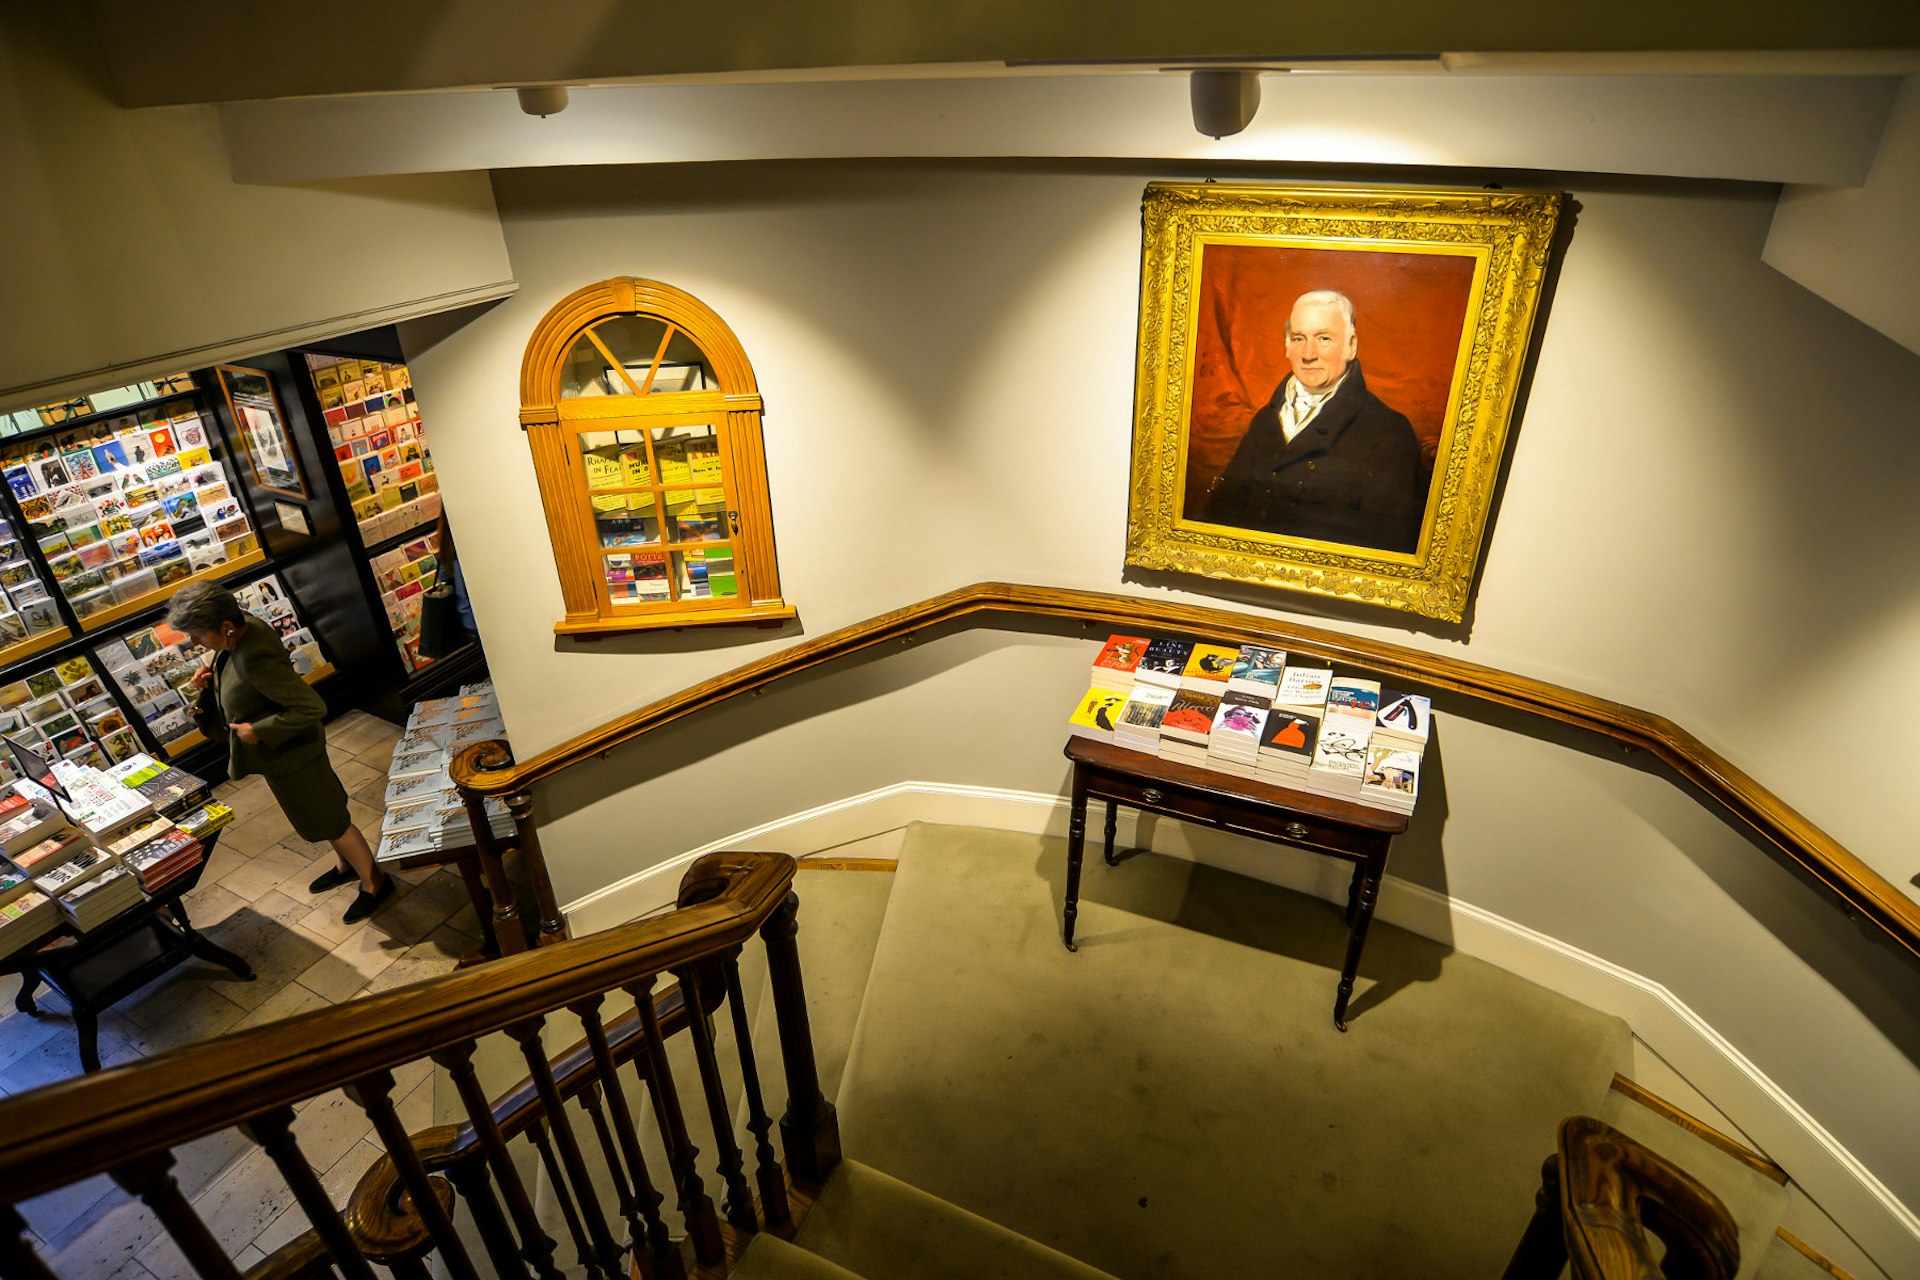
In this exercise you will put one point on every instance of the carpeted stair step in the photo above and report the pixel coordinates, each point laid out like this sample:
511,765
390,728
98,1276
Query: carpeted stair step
1783,1261
879,1227
1751,1186
771,1258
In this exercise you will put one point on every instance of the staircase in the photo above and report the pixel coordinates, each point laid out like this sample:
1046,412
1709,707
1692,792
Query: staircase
1168,1102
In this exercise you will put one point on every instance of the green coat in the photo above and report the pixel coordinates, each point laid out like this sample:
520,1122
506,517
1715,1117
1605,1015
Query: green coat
254,683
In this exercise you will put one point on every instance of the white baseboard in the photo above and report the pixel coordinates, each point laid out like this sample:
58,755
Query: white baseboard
1884,1228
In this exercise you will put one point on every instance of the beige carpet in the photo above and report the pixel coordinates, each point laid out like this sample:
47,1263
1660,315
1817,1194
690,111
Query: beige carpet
1173,1101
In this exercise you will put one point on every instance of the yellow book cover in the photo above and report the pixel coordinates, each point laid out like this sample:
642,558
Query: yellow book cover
672,457
633,466
1209,664
1094,714
602,472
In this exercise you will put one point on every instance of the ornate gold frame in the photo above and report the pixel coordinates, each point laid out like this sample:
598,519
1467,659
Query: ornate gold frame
1508,235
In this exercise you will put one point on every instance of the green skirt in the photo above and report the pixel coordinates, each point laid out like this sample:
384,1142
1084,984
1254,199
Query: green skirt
313,799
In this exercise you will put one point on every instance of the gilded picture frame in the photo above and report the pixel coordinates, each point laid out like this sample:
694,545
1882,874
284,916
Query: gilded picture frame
1326,382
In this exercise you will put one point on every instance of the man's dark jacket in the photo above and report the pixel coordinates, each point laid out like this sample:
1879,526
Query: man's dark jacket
1353,475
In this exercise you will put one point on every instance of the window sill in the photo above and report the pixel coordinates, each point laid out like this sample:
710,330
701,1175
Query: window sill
768,613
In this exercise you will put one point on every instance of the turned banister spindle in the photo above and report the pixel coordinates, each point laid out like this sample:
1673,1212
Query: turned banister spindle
739,1201
469,1178
374,1095
152,1180
18,1260
651,1242
536,1246
696,1207
274,1132
553,926
810,1129
539,1134
605,1257
508,929
768,1175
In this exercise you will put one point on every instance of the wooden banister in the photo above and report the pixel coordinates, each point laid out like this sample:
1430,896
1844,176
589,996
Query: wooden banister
121,1116
484,770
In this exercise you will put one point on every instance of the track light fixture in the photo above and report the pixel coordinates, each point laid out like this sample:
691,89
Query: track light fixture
1224,101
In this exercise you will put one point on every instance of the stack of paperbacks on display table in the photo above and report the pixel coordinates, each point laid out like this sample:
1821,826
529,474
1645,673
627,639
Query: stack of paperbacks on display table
1293,724
169,790
1401,728
424,812
159,851
1340,754
1246,702
99,804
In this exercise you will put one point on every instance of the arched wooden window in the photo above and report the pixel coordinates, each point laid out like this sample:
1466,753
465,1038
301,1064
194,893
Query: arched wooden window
644,420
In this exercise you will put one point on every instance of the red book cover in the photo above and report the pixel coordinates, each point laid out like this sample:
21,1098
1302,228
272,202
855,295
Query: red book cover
1121,653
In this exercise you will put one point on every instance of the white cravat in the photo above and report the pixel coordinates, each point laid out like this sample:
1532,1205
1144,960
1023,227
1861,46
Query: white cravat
1301,405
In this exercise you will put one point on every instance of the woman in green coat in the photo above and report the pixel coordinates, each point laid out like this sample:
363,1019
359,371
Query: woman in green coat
274,725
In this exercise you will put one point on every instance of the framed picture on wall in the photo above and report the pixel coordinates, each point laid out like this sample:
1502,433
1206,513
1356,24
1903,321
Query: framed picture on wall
263,431
1326,380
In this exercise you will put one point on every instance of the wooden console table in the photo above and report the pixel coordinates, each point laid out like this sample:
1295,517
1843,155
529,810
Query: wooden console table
117,957
1343,829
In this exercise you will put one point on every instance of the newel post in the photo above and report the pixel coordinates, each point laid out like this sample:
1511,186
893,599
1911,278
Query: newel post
810,1129
508,929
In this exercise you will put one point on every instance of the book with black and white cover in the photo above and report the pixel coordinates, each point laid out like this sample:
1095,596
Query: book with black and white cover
1256,670
31,825
1392,777
100,899
1354,695
1340,755
1094,714
1303,688
1208,668
1235,738
81,867
1119,658
1138,727
1165,659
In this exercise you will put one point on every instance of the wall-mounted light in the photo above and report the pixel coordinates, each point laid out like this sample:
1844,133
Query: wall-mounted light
1224,101
542,99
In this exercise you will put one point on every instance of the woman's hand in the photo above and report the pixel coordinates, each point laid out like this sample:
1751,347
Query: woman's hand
246,734
201,679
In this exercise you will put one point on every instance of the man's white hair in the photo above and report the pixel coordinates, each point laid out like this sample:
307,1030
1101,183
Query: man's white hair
1322,297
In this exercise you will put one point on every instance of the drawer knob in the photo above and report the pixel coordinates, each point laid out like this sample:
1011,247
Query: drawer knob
1297,831
1152,795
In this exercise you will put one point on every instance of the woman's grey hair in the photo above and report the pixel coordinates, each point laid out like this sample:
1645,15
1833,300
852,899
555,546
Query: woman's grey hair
202,607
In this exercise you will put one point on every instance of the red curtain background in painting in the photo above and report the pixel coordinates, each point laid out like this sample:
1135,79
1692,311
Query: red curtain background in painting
1408,311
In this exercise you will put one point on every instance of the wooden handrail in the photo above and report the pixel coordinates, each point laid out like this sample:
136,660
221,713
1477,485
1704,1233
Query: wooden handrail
485,768
78,1127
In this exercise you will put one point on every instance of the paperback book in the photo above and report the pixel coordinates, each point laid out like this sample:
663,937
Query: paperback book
1119,658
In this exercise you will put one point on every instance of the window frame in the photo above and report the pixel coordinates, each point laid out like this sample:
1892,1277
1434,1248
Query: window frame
555,425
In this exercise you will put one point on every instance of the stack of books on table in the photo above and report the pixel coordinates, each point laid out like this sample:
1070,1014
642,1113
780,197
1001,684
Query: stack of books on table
1188,723
1115,666
1097,714
70,872
205,820
424,810
1400,730
1138,728
25,915
1246,702
167,789
100,898
28,823
159,852
97,803
1293,726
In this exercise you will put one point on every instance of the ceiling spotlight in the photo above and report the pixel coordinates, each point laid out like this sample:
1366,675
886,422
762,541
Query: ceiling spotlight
545,99
1223,101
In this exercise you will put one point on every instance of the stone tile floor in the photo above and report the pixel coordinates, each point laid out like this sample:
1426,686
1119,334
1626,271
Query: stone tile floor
252,899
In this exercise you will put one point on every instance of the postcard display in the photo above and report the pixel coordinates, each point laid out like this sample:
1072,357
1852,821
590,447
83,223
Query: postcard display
380,446
122,507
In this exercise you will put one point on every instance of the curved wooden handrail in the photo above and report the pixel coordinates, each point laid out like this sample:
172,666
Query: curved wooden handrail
484,768
78,1127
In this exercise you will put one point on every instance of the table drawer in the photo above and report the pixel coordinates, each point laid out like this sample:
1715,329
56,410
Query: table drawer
1267,824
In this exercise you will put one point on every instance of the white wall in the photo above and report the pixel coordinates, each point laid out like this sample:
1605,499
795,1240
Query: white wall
1707,515
127,249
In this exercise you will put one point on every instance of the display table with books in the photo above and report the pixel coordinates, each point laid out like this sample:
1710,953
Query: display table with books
92,898
1247,739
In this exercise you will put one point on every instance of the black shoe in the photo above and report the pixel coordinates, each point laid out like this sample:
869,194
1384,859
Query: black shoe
365,904
331,878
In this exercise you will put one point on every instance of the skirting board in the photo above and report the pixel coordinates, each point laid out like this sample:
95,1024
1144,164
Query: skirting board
1884,1228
